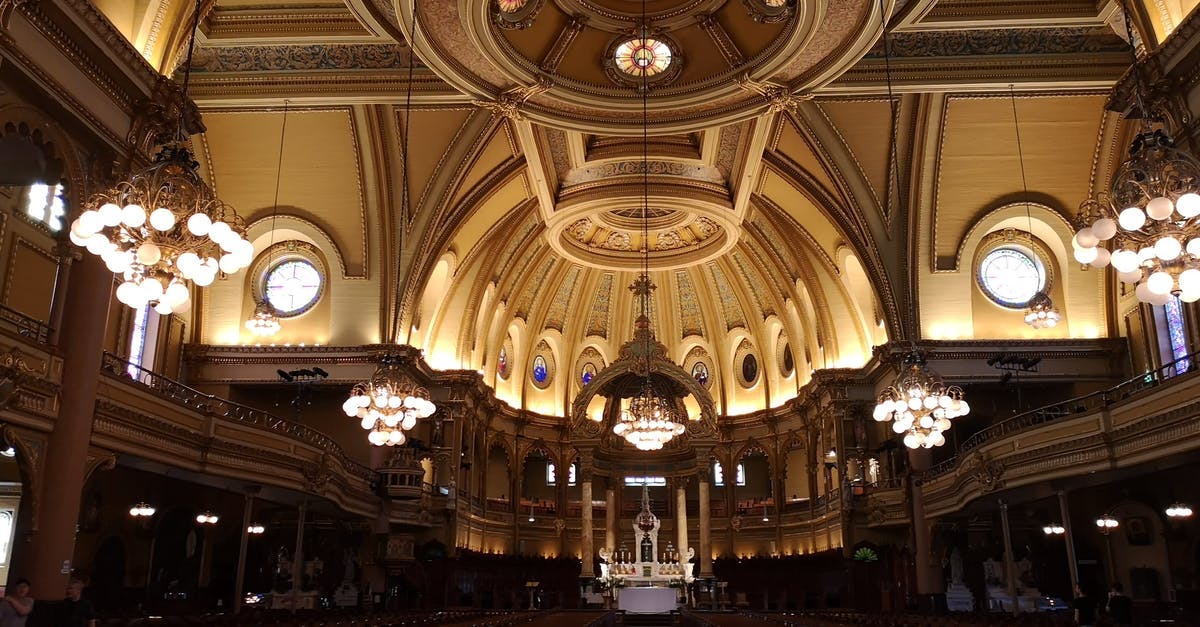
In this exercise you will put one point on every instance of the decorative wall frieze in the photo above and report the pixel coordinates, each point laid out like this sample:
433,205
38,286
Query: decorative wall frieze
301,57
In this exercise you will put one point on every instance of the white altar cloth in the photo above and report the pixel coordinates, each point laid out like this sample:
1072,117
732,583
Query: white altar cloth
648,600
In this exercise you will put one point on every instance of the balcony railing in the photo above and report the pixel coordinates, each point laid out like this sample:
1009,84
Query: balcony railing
1064,409
215,406
24,326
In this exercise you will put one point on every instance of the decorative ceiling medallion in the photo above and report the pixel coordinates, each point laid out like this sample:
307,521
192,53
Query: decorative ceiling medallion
606,233
650,59
515,14
770,11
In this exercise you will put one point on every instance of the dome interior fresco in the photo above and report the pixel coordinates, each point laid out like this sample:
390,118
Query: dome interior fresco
780,217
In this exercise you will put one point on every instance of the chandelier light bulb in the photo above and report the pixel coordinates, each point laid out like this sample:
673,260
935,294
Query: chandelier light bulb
1085,255
1086,238
1107,523
256,529
141,510
1131,218
1104,228
1160,208
206,518
1167,248
1160,283
1188,205
1125,260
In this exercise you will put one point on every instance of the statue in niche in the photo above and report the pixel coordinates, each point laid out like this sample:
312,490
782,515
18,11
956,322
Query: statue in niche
1025,573
993,572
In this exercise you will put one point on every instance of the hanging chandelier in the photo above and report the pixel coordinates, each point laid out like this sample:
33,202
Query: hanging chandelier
1041,312
1146,224
389,403
264,322
649,421
920,405
164,227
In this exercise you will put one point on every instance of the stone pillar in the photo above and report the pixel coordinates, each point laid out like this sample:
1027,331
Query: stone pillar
585,525
298,555
1010,567
1069,538
247,520
929,573
610,518
705,527
681,531
82,343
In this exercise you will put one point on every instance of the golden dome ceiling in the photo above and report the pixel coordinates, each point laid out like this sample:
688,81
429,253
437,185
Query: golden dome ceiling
711,61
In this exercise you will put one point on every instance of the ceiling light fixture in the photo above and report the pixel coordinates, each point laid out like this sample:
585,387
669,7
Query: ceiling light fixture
207,518
1179,510
1107,523
256,529
164,226
1146,225
141,510
650,419
390,402
920,405
264,322
1040,312
1054,529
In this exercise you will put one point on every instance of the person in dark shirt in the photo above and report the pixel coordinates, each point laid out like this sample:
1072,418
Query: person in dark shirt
1120,607
1085,608
75,611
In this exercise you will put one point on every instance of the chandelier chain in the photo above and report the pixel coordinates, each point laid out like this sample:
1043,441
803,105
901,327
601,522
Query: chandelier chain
405,209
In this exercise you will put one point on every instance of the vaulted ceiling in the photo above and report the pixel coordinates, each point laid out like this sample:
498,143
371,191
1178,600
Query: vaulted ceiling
790,210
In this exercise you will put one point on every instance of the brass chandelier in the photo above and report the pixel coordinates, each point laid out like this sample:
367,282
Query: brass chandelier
919,405
391,402
1146,225
163,227
650,418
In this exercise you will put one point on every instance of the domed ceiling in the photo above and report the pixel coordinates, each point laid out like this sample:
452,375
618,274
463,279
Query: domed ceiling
579,63
783,231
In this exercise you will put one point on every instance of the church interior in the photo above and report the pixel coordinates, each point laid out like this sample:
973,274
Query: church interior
599,312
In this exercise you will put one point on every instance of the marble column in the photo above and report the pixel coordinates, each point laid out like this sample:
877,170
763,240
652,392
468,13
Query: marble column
681,534
610,518
298,555
1010,567
52,548
929,574
705,529
240,577
585,525
1068,538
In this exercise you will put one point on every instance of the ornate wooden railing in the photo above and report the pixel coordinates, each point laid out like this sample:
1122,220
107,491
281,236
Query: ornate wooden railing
212,405
23,325
1073,407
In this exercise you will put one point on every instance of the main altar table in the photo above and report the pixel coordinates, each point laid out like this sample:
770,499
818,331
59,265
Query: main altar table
648,600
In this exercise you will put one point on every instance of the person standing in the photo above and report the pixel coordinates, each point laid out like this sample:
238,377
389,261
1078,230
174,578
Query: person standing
75,611
1085,608
1120,606
16,605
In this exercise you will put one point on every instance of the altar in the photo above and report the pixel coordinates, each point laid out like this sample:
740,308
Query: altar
647,580
648,600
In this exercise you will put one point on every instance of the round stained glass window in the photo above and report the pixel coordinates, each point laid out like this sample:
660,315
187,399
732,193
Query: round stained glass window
1010,277
589,373
700,372
643,56
293,286
511,6
540,371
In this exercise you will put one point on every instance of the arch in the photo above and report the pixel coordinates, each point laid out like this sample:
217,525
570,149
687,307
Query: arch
426,318
290,226
55,145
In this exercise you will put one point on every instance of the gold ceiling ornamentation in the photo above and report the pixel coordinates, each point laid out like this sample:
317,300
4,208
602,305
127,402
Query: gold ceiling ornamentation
474,50
516,14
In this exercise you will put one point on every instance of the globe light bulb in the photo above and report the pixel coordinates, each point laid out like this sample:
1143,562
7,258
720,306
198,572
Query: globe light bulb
1131,218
